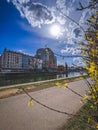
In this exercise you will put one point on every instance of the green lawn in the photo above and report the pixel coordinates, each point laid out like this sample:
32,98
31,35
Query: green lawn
80,121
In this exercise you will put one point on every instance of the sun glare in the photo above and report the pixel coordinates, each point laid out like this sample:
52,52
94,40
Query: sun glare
55,30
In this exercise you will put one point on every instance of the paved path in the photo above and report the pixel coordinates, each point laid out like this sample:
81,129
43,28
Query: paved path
16,115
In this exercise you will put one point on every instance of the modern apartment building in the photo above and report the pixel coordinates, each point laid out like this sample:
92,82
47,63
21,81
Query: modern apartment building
48,57
27,62
16,61
37,63
30,62
10,59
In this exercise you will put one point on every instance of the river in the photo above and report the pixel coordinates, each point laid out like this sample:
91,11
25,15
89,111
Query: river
24,78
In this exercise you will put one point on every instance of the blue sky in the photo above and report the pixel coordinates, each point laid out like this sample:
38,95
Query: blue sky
26,25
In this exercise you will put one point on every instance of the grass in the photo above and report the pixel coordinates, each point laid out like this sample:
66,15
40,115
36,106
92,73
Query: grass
80,121
37,86
50,83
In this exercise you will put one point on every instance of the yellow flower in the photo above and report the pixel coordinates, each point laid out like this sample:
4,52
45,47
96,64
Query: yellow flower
30,103
89,92
95,103
97,35
92,18
89,119
93,97
96,12
94,90
91,69
65,85
96,31
85,36
97,126
91,42
85,96
93,51
59,84
81,102
87,68
81,78
92,107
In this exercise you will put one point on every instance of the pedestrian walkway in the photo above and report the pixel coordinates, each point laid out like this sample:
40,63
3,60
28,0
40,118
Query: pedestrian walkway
17,115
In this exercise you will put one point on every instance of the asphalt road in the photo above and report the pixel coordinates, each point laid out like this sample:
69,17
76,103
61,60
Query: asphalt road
15,114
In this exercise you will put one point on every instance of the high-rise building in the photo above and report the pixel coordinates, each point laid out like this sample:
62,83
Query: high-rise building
48,57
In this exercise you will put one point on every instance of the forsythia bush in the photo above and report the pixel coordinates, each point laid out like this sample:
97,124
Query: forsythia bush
90,52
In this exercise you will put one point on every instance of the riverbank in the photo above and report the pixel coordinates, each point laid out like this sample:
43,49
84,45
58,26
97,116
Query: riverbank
19,78
12,90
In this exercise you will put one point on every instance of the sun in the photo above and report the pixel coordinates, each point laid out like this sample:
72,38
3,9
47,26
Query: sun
55,30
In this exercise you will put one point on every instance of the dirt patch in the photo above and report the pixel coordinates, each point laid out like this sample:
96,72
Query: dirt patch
15,91
9,92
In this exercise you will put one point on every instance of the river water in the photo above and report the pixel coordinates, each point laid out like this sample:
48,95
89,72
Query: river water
24,78
70,74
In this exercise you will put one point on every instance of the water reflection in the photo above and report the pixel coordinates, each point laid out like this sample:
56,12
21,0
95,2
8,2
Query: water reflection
70,74
24,78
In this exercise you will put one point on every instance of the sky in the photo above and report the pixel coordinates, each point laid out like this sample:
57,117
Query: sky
27,25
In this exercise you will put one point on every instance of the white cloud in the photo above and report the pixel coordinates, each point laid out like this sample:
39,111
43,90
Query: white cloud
61,19
20,1
78,61
85,15
65,6
71,50
24,52
36,13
